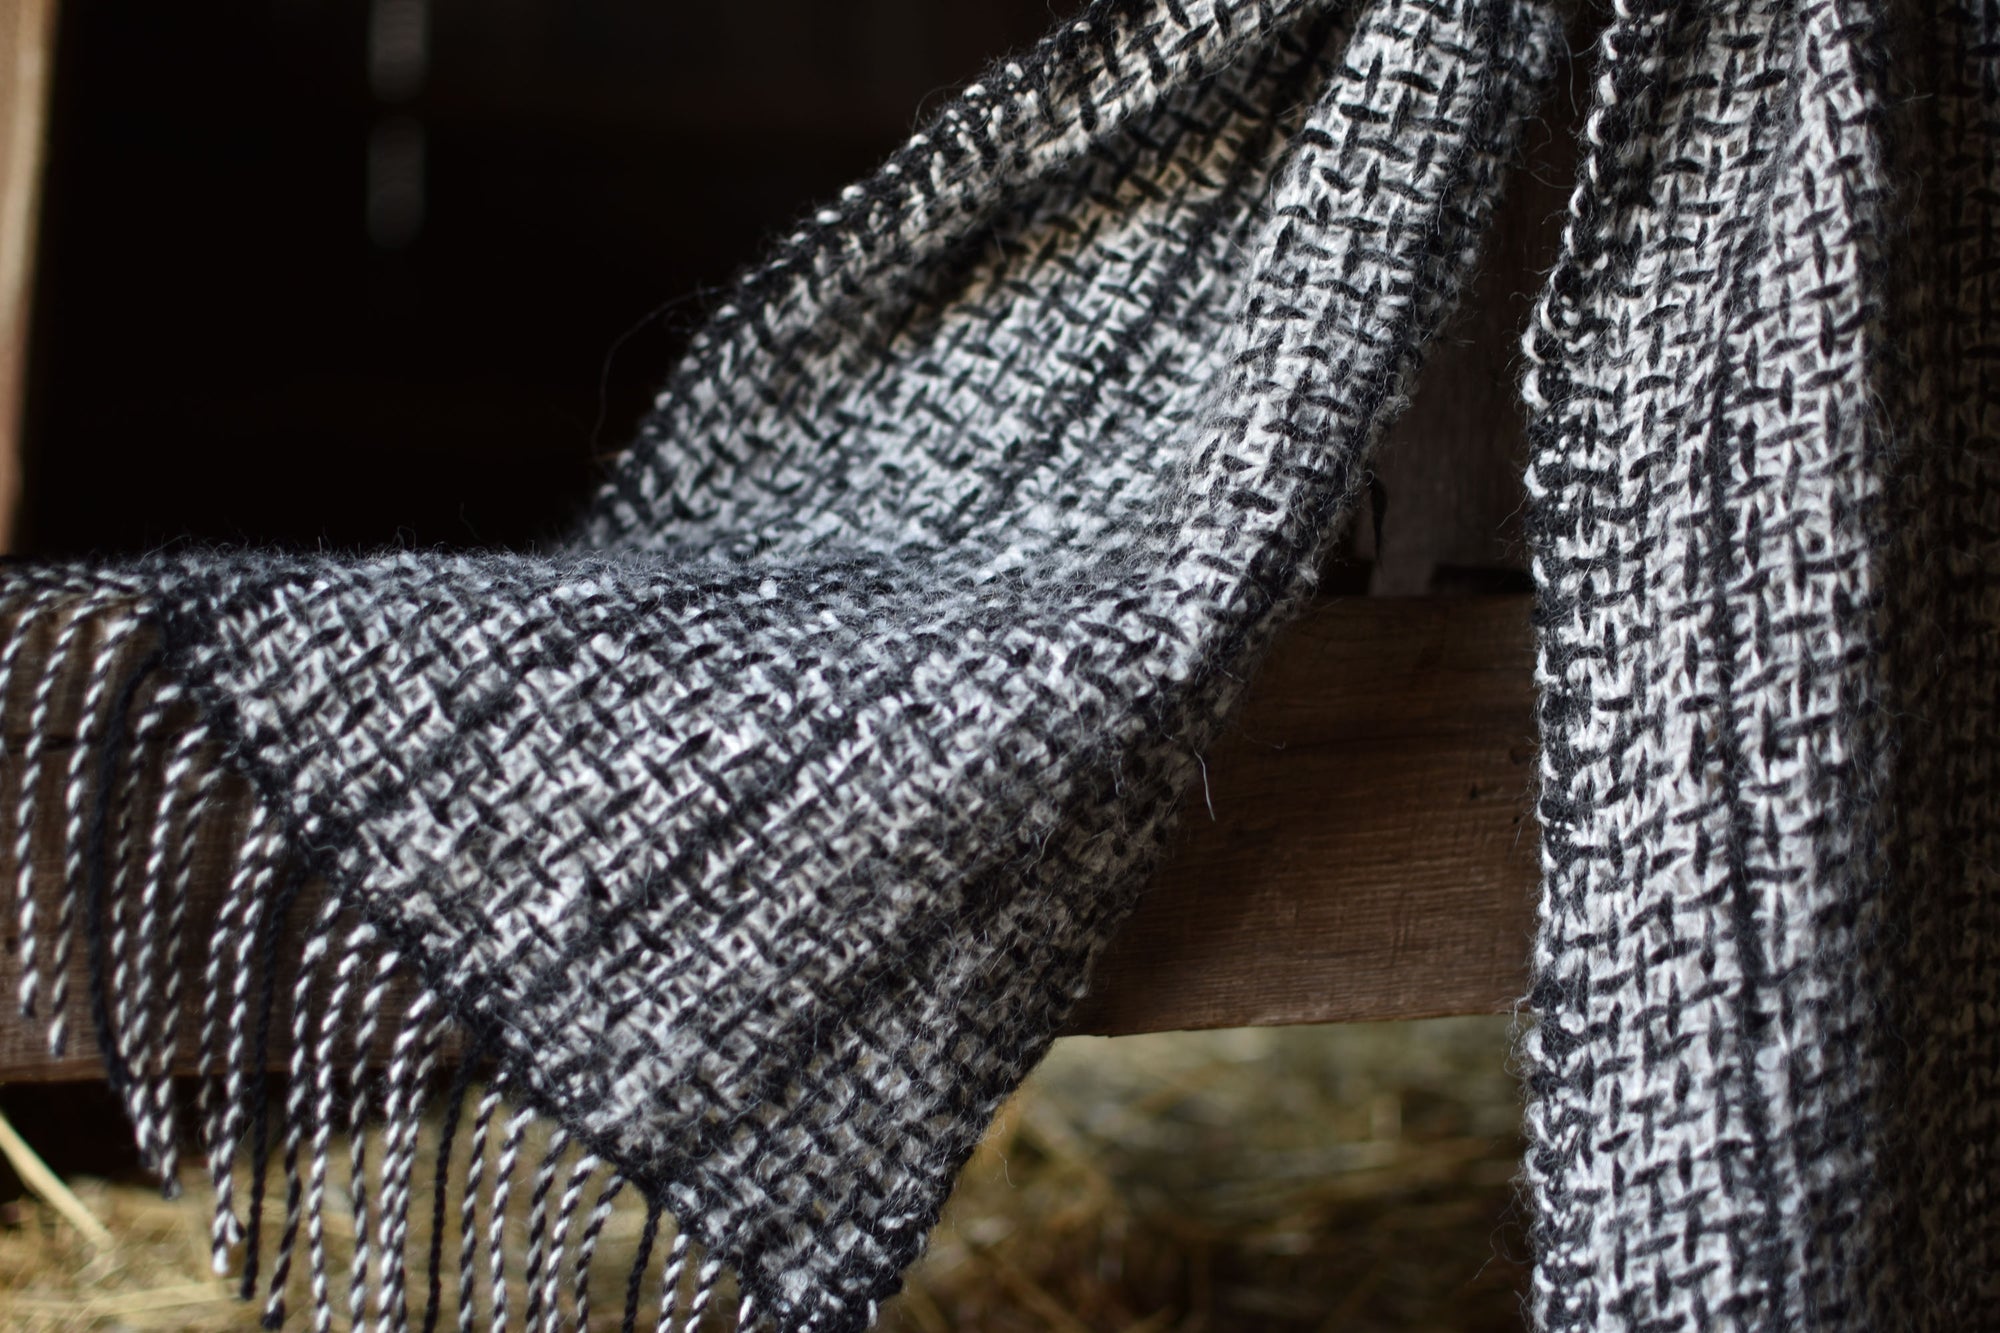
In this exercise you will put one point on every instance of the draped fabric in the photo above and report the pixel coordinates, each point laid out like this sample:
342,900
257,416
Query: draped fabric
759,837
1766,500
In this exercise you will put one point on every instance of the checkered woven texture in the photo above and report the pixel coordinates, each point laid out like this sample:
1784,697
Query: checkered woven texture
762,837
1766,488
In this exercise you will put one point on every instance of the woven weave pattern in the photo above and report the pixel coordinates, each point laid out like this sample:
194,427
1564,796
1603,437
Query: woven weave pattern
764,836
760,836
1768,724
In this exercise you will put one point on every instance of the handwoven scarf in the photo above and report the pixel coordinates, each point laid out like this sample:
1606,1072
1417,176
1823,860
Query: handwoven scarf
1765,1084
760,837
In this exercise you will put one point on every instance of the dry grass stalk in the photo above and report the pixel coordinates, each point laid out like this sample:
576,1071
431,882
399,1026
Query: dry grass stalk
1350,1178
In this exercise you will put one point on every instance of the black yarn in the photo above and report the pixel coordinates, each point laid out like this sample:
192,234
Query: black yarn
271,930
461,1086
770,825
644,1255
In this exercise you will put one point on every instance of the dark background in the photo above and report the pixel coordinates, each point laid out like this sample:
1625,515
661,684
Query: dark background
246,331
305,281
355,273
296,284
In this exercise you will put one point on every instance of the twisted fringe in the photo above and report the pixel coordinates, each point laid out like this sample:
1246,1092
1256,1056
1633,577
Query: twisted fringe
124,803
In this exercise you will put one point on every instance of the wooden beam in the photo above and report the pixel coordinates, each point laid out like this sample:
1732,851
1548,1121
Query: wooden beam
1370,855
27,39
1372,850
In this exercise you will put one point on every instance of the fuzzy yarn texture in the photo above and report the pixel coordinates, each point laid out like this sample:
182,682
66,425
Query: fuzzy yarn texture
1765,1084
760,837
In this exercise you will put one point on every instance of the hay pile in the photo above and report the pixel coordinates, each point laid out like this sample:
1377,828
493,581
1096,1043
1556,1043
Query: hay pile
1281,1179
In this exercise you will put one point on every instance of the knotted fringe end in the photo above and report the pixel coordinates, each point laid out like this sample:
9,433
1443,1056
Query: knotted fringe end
327,1073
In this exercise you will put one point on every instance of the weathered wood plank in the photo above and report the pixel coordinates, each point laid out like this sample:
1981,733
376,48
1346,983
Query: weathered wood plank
1371,853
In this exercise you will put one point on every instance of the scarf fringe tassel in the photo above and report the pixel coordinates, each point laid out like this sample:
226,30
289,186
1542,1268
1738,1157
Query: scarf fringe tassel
117,801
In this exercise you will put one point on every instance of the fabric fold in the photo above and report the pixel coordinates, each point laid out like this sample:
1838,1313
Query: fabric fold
760,838
1762,1078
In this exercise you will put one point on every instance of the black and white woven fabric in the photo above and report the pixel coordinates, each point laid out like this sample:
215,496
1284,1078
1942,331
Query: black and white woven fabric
759,839
1765,1085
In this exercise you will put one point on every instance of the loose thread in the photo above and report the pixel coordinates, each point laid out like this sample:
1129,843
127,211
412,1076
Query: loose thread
411,1063
256,865
353,950
76,790
99,886
704,1289
33,765
503,1184
118,910
301,1077
586,1245
538,1227
468,1232
647,1235
208,1041
572,1196
361,1266
195,806
461,1085
144,1105
670,1282
275,921
30,612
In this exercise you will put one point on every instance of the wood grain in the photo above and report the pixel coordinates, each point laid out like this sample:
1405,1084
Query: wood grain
27,36
1371,853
